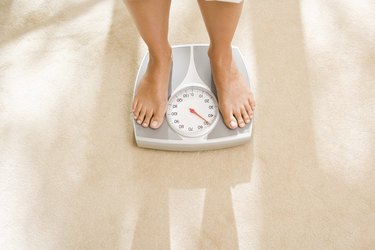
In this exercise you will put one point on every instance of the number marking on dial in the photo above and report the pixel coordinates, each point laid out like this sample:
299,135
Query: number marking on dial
192,111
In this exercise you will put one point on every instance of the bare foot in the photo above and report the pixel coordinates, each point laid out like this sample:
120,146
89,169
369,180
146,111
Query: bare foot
236,101
150,101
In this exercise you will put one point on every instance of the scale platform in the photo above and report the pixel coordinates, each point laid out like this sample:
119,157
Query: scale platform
192,121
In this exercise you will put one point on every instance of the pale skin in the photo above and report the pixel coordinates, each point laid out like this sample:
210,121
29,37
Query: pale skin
236,101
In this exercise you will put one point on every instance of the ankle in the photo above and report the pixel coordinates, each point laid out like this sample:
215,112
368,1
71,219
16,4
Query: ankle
220,54
162,54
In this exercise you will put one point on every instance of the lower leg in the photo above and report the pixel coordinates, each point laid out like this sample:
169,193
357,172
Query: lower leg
236,101
152,18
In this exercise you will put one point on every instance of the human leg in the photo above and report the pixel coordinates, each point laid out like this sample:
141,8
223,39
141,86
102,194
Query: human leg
236,101
150,101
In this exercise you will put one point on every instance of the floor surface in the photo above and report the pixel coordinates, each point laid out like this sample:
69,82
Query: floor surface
71,176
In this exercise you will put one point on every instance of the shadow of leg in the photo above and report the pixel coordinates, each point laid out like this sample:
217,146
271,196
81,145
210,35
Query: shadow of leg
152,228
218,225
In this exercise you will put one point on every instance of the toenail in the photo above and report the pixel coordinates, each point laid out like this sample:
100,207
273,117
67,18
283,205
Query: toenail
251,117
154,124
144,124
139,121
233,124
247,120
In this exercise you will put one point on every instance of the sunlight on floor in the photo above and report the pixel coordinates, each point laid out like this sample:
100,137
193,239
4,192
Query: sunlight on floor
73,178
332,33
47,72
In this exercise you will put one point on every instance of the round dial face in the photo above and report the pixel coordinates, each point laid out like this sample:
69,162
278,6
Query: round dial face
192,111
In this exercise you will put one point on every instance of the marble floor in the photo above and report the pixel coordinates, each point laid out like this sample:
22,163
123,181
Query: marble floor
71,176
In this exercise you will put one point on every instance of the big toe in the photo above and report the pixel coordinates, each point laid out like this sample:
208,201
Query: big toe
229,120
157,120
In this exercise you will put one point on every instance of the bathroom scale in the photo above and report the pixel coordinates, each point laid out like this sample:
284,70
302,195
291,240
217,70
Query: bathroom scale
192,121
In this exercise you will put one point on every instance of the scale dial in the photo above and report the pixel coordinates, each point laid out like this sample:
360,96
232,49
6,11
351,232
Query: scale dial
192,111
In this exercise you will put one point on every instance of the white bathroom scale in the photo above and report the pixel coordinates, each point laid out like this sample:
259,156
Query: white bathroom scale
192,121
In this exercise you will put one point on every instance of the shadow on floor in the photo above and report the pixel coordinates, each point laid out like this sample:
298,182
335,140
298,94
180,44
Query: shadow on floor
160,175
302,206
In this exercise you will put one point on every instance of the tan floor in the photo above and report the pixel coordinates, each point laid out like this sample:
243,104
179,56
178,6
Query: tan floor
71,176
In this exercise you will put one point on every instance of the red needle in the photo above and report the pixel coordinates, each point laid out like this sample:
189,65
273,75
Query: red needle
195,113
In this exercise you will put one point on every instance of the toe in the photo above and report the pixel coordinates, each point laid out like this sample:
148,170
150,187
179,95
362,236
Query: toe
240,121
252,102
137,111
245,115
141,116
157,119
147,119
134,105
229,119
232,123
249,111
